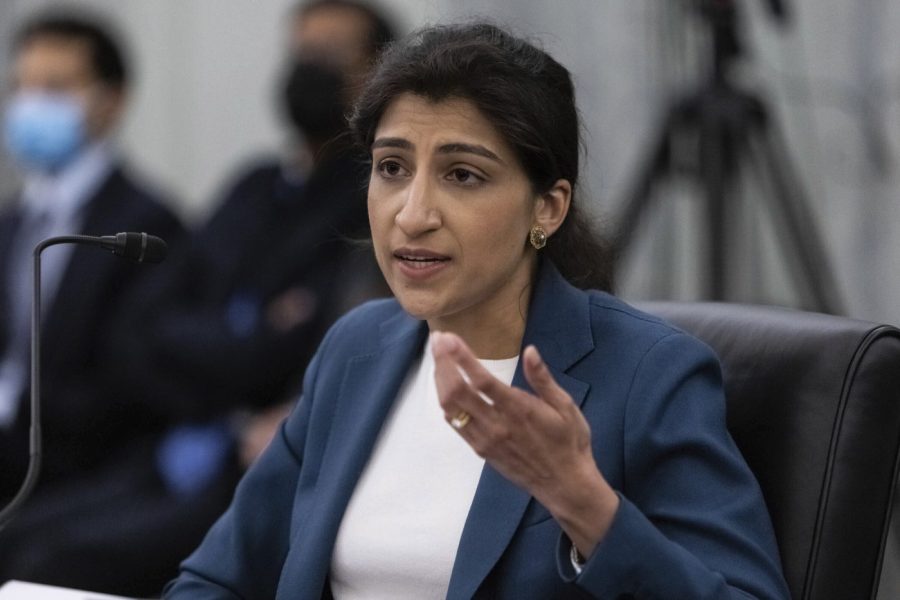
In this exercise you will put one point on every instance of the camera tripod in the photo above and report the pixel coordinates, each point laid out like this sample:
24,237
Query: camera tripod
733,130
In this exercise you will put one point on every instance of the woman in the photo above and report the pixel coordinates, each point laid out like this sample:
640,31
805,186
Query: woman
587,454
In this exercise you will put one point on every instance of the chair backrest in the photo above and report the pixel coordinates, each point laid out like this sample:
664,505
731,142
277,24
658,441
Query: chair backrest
814,405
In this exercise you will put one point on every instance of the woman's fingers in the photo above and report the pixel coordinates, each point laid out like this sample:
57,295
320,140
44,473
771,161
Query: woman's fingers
451,354
449,348
541,380
457,397
534,440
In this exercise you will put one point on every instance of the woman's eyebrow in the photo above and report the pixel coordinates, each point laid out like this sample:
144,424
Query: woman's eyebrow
470,149
392,142
451,148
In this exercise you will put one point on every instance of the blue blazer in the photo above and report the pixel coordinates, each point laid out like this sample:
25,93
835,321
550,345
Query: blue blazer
691,523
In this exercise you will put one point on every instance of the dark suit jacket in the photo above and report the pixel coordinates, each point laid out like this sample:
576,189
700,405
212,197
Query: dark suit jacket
84,420
691,524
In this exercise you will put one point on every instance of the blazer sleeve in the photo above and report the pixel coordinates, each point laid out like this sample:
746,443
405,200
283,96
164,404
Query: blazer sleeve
692,522
243,554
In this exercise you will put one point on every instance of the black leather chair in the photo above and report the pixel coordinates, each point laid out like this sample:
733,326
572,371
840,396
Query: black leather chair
814,405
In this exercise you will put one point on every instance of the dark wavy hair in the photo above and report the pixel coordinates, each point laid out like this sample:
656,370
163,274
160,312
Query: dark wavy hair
524,92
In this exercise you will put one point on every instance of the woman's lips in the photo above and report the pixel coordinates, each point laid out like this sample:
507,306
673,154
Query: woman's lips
420,263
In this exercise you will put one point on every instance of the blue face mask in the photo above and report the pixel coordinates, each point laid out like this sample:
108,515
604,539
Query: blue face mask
44,131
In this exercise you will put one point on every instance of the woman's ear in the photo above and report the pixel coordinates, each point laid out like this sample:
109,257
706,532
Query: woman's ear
552,206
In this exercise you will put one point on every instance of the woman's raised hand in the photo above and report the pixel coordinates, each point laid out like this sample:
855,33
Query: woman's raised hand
541,441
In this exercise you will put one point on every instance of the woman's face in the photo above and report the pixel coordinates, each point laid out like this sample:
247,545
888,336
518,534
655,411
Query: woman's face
450,210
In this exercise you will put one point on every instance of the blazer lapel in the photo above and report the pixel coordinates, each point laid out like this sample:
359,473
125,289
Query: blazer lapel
368,390
82,279
559,326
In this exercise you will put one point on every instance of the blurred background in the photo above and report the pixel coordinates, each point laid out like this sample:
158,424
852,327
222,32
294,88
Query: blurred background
827,71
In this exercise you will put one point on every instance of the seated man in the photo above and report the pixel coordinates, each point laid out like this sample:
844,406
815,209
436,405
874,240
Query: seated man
275,265
70,83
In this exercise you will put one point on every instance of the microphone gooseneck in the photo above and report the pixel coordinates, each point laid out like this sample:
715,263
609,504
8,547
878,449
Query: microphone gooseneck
139,247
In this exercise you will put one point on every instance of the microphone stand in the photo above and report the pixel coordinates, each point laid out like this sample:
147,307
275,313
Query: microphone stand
34,458
121,245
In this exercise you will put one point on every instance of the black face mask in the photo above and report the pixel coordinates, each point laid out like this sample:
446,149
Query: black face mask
313,96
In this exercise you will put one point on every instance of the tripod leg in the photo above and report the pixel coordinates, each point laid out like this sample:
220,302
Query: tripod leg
716,153
653,169
797,221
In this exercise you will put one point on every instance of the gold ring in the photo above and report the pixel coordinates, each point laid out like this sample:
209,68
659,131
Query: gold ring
460,420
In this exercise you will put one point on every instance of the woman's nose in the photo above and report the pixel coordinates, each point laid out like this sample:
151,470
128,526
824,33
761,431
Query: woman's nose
419,213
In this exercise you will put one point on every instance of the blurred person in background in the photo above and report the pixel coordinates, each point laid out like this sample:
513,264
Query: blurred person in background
232,324
69,87
275,264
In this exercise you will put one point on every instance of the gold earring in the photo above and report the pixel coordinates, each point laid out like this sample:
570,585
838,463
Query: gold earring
538,237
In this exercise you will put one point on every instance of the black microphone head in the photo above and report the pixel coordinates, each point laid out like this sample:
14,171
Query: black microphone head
140,247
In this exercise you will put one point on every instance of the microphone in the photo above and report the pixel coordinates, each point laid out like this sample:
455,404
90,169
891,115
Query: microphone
139,247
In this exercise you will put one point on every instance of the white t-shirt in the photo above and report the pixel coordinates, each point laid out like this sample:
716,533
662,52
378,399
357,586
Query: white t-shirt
399,535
